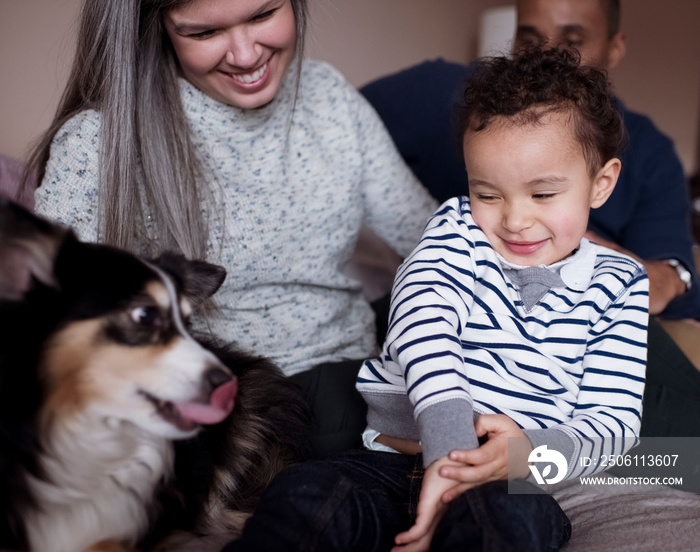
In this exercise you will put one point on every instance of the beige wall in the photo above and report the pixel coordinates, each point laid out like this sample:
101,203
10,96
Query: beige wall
659,77
661,74
369,38
366,39
36,45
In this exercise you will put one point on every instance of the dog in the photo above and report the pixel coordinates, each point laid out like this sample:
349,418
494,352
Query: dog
119,427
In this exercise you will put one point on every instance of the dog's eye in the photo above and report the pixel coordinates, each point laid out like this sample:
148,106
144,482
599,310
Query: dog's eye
187,322
145,316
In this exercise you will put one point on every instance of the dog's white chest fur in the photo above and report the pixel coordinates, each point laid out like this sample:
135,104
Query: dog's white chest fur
102,482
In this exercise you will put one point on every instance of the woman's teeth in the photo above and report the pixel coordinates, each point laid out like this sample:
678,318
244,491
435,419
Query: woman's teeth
252,77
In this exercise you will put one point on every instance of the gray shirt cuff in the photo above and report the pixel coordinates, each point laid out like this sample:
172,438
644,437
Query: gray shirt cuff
446,426
558,440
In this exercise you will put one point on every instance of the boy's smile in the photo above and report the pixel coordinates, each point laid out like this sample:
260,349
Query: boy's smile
531,189
524,248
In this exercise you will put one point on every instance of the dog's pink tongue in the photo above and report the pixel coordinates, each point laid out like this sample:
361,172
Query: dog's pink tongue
220,405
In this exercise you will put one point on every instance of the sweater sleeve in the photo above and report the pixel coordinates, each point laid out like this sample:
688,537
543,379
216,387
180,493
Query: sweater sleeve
391,191
68,194
607,416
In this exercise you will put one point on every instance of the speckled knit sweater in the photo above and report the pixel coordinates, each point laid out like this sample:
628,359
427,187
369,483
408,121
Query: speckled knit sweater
294,199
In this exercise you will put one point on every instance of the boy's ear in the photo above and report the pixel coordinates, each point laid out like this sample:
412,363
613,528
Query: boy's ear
604,182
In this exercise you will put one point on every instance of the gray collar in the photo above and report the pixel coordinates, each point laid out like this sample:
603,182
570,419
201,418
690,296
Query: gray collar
533,282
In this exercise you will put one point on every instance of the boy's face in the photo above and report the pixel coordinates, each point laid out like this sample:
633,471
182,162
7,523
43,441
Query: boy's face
578,24
530,188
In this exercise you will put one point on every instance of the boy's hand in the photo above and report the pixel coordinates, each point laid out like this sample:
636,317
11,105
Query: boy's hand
430,509
489,462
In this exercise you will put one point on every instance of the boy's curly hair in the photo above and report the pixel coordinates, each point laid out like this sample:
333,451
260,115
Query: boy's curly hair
534,83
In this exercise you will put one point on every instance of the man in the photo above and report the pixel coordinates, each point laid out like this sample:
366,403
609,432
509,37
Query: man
647,216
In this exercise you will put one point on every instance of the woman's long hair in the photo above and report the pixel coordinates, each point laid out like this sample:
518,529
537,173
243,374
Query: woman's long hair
126,69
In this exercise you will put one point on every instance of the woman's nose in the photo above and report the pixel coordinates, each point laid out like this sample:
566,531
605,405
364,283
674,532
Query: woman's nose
242,49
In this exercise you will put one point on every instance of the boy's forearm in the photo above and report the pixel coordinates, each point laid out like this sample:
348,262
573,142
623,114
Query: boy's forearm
446,426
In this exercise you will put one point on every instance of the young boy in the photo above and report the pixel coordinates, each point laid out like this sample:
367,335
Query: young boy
505,322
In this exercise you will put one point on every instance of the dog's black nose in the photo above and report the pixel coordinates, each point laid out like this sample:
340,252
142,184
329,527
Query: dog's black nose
214,377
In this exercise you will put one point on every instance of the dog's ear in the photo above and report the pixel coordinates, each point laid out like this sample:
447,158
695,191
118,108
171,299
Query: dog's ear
199,280
29,246
202,280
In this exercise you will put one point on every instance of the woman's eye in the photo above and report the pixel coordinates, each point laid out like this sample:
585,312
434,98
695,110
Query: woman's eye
543,196
144,316
264,15
202,34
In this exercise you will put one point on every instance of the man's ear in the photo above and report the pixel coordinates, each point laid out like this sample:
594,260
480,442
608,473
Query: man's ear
617,48
604,182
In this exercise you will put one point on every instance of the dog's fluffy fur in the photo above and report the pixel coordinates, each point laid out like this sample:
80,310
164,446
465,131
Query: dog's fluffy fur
110,431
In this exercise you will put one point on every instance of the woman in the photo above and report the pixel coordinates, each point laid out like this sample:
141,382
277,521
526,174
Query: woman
194,125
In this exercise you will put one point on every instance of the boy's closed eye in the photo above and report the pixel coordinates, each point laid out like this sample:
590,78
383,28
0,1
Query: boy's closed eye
486,197
481,190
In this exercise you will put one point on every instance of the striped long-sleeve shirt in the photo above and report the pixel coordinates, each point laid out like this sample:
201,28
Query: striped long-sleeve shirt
569,370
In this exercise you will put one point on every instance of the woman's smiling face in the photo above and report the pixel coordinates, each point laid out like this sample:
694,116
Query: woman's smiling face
235,51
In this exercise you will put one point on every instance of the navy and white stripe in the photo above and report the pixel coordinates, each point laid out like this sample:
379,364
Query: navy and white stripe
570,371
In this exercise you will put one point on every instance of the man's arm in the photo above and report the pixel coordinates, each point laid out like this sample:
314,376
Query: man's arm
648,215
665,283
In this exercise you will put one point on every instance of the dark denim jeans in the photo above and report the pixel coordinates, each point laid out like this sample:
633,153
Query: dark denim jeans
361,500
